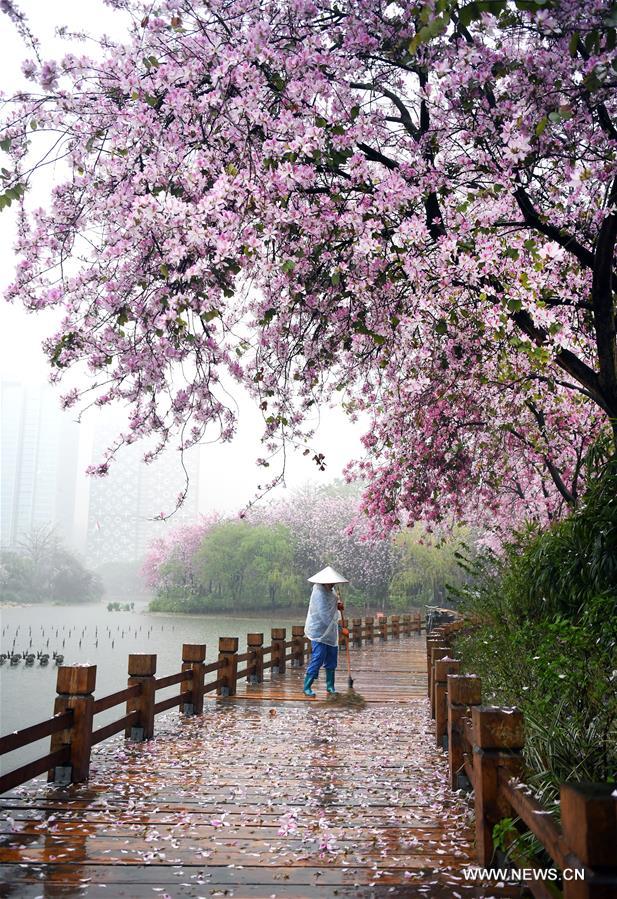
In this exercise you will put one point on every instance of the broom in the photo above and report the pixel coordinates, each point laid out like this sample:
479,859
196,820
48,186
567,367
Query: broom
351,699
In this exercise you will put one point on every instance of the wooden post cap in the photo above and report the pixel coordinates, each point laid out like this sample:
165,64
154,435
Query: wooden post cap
497,728
228,644
193,652
297,630
369,619
76,680
142,664
464,689
254,639
589,822
279,633
446,666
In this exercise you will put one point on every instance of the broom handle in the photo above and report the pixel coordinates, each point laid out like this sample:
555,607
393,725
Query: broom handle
347,637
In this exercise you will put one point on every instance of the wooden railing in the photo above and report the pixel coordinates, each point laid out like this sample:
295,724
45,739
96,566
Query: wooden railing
485,753
72,726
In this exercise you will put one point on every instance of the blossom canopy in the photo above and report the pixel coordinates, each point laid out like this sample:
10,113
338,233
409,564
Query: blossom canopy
406,209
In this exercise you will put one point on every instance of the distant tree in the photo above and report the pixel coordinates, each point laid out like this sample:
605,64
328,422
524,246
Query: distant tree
42,570
327,529
169,563
427,567
247,565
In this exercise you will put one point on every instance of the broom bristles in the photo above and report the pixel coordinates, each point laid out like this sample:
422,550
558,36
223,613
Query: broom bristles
350,699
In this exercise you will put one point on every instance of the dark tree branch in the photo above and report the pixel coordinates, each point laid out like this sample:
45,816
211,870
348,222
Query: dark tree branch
534,220
565,359
602,298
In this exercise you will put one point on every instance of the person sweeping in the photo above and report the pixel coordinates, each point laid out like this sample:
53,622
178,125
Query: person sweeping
322,627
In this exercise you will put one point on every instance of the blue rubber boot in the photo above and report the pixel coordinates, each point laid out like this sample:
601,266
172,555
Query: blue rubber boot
330,680
308,681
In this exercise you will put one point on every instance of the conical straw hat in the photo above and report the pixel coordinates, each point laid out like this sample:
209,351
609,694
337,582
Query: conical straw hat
328,576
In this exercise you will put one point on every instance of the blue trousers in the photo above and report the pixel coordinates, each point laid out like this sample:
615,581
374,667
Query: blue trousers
321,654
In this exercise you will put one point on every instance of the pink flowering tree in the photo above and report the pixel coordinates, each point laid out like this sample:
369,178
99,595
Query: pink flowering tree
170,561
327,529
409,209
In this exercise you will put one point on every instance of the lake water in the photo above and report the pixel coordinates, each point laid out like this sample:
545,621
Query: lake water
92,634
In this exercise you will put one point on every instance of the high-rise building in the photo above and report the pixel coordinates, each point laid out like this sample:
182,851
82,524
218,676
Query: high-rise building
124,504
38,463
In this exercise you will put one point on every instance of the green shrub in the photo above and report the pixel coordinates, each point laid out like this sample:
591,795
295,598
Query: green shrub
546,639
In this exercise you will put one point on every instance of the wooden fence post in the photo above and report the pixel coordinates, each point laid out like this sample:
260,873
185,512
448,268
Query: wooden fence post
297,636
396,625
142,668
463,692
498,738
406,625
418,622
75,685
443,668
255,645
382,624
228,666
589,823
438,651
193,659
369,627
356,631
431,641
278,649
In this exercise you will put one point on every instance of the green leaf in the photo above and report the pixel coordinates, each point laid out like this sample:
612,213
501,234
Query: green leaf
288,266
541,126
164,270
278,81
212,314
268,316
354,113
5,144
335,277
441,327
573,45
473,11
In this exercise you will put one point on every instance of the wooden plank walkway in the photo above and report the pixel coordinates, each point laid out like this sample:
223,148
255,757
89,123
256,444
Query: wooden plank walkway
267,794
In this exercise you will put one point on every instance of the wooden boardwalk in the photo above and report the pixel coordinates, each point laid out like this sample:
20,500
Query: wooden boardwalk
266,794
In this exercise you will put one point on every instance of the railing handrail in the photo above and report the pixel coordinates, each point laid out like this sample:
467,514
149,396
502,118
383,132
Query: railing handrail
34,732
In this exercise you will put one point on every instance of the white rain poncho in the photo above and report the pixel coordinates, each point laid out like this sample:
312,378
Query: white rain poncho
322,618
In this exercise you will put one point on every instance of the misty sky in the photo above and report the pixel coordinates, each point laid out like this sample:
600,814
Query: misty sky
228,476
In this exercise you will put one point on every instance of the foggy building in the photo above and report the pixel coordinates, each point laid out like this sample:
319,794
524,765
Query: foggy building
38,463
124,502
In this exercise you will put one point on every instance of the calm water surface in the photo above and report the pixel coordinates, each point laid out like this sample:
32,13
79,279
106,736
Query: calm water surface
92,634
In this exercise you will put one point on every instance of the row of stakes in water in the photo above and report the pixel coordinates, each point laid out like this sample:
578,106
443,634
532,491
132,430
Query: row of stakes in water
29,657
